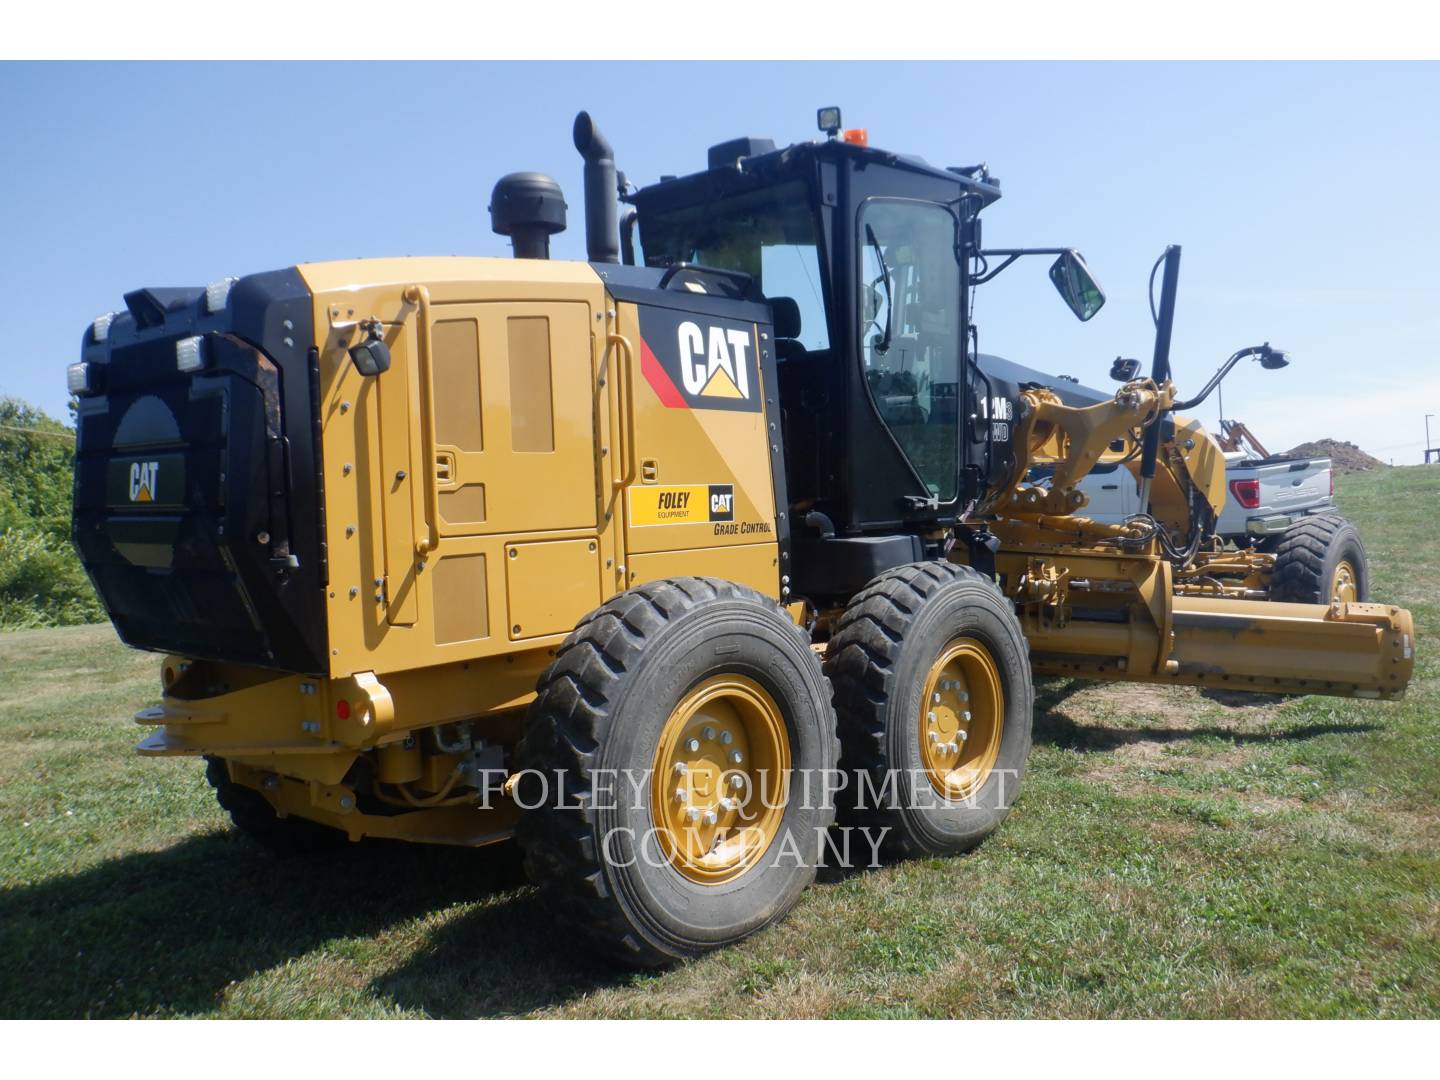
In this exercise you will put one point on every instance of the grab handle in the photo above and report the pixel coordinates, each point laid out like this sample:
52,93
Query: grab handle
625,388
419,297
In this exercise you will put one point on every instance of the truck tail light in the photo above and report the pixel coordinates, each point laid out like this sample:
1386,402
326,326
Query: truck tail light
1246,492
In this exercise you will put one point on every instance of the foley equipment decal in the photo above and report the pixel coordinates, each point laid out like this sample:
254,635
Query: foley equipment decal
689,504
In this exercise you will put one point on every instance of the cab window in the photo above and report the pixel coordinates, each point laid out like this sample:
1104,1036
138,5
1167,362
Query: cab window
909,308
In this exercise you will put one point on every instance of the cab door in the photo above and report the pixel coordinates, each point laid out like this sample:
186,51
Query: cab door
910,328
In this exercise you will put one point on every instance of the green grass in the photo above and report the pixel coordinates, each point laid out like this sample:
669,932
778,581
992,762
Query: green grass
1174,854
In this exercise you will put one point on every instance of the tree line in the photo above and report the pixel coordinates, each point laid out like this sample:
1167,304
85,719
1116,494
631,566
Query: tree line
41,580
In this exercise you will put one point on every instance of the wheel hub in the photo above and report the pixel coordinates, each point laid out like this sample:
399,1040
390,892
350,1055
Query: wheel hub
962,714
1344,583
720,779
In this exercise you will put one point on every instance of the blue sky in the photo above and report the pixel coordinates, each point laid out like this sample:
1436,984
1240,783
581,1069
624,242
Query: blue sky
1304,195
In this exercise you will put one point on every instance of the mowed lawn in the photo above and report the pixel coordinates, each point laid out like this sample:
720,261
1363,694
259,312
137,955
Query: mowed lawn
1174,853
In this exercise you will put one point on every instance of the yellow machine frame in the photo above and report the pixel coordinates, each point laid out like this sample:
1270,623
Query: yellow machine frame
500,482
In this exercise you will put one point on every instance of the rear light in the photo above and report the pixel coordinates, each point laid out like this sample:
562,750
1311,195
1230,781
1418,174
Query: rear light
78,378
1246,492
190,354
217,294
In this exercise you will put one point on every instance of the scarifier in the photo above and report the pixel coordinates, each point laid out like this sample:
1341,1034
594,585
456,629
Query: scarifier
653,560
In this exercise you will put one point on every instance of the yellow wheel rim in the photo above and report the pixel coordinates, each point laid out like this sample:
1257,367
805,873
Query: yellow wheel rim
1343,585
961,719
720,779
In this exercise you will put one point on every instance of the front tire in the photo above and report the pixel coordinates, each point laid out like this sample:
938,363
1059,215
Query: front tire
935,705
652,709
1320,559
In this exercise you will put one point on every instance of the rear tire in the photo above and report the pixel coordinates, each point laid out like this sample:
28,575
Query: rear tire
1318,559
931,630
688,670
255,817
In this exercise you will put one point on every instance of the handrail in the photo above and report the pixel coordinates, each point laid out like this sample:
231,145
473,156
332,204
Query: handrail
612,416
419,297
624,387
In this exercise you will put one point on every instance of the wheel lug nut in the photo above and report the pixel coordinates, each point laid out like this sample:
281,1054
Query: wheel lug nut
679,794
735,757
681,768
964,696
965,716
736,782
936,698
930,717
693,745
934,737
726,738
692,814
711,817
708,732
963,734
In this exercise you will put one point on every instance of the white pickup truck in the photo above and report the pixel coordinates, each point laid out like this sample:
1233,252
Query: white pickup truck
1264,497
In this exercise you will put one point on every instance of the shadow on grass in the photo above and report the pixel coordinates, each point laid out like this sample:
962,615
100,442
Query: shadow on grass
1243,699
1057,729
167,932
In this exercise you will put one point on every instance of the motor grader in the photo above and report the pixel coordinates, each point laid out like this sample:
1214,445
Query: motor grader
655,560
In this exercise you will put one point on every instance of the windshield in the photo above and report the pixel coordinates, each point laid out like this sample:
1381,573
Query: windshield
768,233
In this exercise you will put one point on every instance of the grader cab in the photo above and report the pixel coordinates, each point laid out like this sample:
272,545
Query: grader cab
654,560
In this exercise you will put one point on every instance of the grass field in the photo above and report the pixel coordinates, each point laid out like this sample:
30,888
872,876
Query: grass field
1174,853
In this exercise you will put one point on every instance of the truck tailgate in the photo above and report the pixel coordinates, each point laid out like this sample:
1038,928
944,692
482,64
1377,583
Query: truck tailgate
1288,486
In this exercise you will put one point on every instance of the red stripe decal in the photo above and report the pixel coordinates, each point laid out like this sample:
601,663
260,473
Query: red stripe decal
660,382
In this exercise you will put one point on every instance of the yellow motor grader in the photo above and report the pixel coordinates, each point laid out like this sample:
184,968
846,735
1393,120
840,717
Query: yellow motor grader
654,560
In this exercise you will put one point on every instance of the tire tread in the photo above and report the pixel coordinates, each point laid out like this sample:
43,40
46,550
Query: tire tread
860,662
568,724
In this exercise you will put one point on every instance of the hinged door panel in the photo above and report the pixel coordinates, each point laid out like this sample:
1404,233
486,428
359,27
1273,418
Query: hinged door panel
514,418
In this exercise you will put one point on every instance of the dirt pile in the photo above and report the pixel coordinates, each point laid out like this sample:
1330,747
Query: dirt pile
1345,457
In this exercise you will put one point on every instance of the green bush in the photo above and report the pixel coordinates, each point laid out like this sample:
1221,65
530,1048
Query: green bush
41,581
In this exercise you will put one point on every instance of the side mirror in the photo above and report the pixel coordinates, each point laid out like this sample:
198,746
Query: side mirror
371,356
1124,369
1073,281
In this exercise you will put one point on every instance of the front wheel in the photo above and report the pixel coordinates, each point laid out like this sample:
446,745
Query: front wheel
1318,560
676,771
935,705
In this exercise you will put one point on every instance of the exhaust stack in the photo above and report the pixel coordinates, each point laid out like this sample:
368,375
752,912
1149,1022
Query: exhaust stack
602,230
